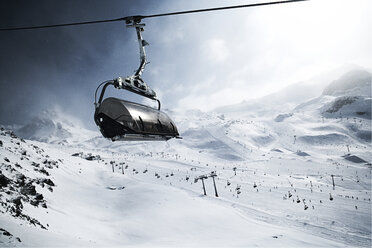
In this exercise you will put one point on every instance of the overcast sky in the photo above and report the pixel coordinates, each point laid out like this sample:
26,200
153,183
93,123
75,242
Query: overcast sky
196,61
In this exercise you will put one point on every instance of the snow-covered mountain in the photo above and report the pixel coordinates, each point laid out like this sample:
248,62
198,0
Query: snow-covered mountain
291,175
357,82
52,126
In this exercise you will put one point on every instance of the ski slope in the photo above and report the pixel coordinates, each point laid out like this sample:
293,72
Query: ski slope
275,175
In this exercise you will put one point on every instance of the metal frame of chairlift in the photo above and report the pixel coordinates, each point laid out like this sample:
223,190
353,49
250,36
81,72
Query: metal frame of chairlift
138,86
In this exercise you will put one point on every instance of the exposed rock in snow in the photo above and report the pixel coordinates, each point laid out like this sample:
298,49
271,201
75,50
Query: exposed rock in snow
339,103
276,150
347,107
282,117
20,174
353,83
354,158
301,153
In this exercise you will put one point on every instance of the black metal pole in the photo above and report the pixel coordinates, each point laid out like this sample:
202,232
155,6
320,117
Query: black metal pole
205,193
215,188
333,182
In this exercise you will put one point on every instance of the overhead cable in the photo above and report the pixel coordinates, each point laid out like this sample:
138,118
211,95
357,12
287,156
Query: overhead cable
140,17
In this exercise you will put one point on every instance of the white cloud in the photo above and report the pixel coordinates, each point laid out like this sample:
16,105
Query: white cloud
229,56
216,50
214,99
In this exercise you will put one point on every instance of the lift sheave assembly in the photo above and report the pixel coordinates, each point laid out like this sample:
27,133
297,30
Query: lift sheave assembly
119,119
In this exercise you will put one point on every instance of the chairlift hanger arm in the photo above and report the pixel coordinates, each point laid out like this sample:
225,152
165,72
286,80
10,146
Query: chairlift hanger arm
141,44
116,85
133,83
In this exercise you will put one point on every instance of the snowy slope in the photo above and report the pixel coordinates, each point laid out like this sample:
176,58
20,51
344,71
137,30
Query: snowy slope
274,181
92,206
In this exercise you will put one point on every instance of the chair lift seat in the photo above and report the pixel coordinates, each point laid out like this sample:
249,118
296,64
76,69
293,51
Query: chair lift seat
123,120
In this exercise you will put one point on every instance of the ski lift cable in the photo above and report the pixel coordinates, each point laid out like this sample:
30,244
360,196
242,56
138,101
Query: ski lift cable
61,25
221,8
138,18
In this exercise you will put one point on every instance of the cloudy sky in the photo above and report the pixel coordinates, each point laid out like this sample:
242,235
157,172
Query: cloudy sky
196,61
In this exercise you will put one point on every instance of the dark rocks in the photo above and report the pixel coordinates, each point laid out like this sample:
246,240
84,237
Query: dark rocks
28,189
35,164
48,181
50,163
18,165
43,171
17,202
8,234
39,197
302,154
282,117
90,158
354,159
45,181
34,203
340,102
276,150
115,188
35,222
20,179
18,189
4,181
12,135
5,232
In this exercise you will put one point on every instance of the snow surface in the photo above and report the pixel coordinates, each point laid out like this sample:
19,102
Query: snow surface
274,180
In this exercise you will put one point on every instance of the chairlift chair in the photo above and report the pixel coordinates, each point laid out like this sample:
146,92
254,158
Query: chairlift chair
119,119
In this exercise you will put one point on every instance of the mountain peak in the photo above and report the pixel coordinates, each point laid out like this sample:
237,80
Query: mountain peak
356,82
53,126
